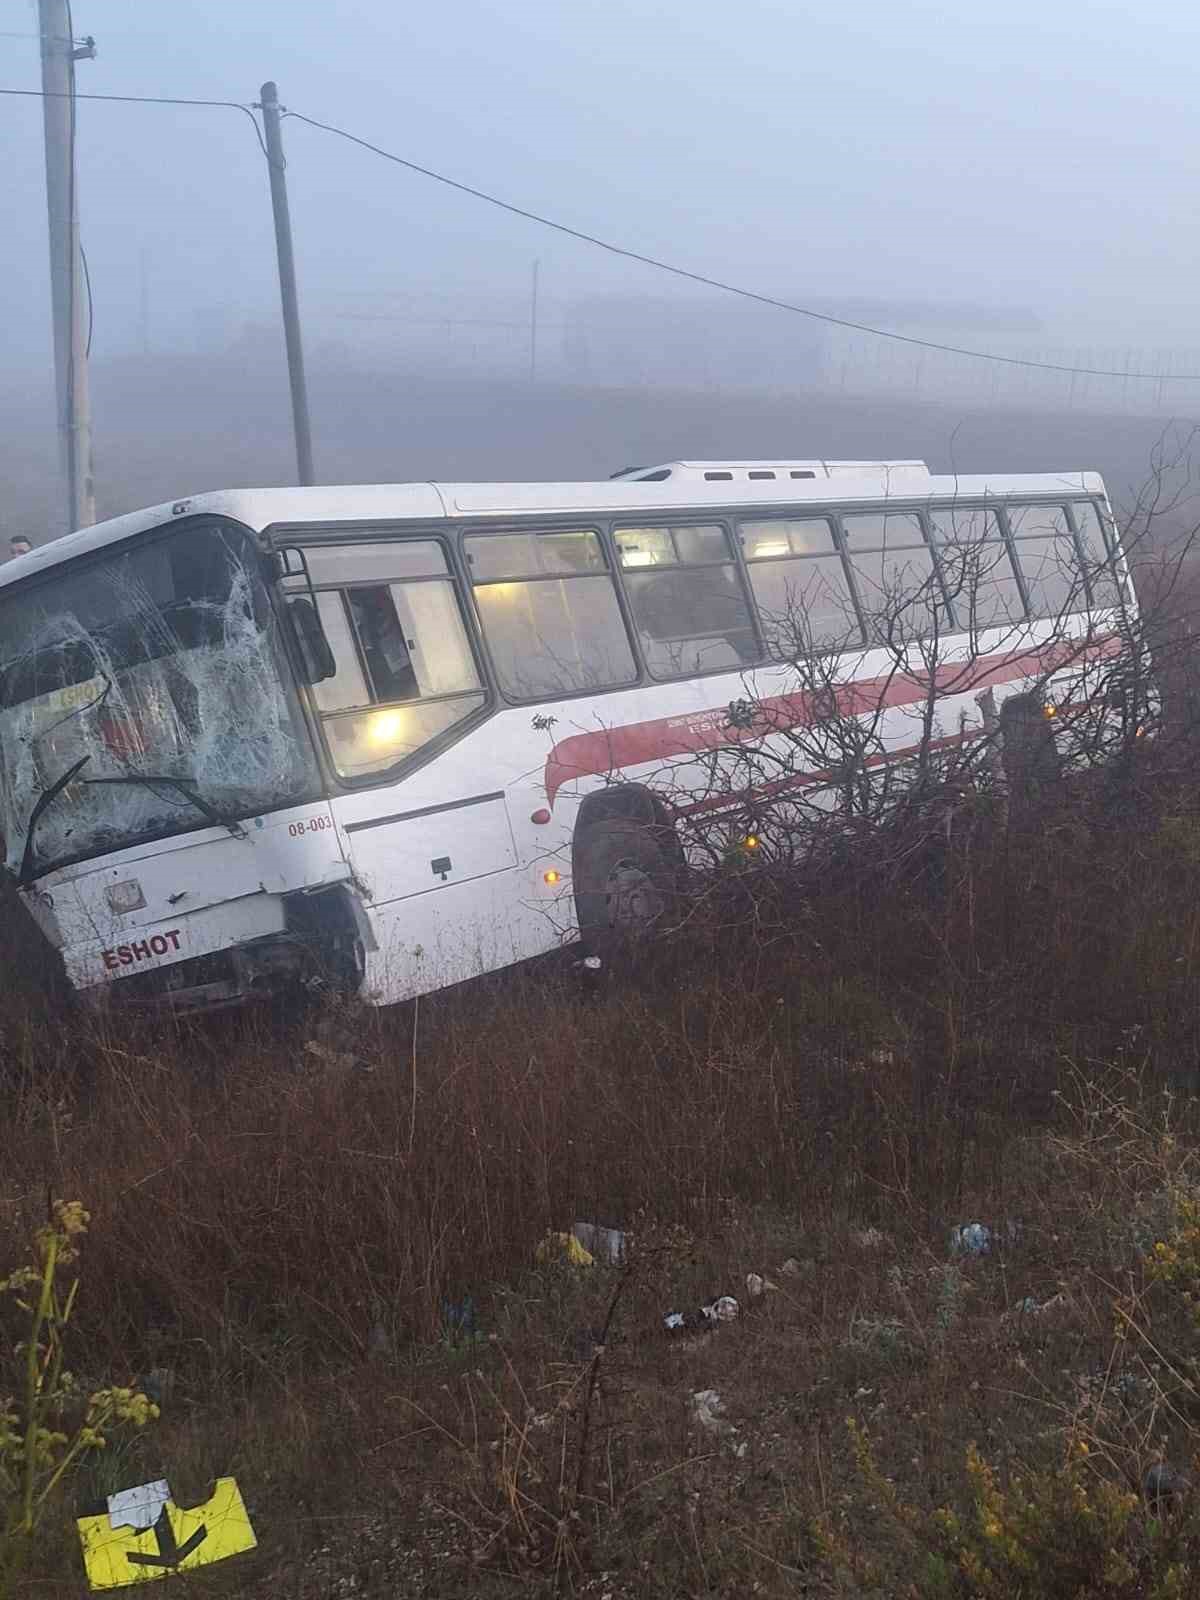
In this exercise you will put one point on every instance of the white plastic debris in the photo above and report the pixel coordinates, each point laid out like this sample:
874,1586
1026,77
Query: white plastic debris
870,1239
972,1239
603,1244
756,1286
708,1412
724,1309
1058,1305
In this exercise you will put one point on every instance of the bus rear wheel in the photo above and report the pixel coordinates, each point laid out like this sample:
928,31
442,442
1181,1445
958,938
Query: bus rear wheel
626,884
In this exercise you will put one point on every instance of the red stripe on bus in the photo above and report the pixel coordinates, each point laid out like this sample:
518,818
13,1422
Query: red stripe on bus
739,798
634,744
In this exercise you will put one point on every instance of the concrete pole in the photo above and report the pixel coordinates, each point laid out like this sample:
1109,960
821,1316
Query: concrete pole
287,282
67,296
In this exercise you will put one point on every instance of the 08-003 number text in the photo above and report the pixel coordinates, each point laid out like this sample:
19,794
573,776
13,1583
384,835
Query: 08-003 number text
309,825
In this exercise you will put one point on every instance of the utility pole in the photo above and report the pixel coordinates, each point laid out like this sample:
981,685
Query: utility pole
287,281
69,308
533,324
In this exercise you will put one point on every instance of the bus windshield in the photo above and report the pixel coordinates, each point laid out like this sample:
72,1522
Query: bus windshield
156,673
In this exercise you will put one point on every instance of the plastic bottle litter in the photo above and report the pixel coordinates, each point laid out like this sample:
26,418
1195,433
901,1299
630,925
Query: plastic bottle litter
609,1245
972,1239
756,1286
562,1247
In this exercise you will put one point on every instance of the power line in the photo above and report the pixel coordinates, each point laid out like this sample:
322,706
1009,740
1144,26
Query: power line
627,254
155,100
733,288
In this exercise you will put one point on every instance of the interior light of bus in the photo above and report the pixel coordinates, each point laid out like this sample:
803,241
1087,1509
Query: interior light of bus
770,547
385,729
637,558
551,877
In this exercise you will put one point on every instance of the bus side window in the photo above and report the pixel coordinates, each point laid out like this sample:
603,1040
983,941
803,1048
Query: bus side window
898,586
1048,559
800,586
1097,556
406,673
688,603
550,612
977,568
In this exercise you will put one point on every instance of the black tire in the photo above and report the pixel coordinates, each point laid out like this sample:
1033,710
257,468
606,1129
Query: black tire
1029,751
627,880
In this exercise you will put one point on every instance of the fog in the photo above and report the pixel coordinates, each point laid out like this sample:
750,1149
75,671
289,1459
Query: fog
1014,181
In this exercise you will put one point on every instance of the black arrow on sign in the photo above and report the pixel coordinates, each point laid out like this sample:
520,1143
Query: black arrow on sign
169,1554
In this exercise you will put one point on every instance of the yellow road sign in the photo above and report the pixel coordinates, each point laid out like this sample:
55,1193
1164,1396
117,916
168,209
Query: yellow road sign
142,1534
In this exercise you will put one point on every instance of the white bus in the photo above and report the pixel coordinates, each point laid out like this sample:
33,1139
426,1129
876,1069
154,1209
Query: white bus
413,733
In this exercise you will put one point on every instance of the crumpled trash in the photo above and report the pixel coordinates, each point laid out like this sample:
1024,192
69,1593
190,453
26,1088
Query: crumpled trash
972,1239
609,1245
792,1268
708,1412
723,1309
870,1239
562,1247
1058,1305
757,1286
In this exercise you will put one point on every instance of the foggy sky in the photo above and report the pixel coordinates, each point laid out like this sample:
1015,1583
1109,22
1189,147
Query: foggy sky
1034,155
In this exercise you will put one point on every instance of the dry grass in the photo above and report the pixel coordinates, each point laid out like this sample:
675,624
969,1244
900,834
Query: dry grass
1001,1026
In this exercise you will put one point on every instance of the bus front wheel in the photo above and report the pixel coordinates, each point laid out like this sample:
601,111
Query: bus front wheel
626,883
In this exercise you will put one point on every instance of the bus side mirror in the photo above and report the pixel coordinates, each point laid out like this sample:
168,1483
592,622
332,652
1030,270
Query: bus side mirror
316,657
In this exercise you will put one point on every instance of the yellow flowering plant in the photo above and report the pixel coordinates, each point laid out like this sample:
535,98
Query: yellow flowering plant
37,1455
1043,1534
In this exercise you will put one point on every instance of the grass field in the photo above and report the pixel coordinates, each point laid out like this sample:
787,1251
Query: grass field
314,1236
815,1084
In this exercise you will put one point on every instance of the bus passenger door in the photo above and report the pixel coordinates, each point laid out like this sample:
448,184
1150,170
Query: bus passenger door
407,686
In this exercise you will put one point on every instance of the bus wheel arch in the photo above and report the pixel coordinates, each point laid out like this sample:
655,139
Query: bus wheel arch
1028,748
627,867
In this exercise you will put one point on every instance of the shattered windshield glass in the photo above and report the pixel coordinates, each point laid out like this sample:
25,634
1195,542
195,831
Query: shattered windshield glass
157,672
